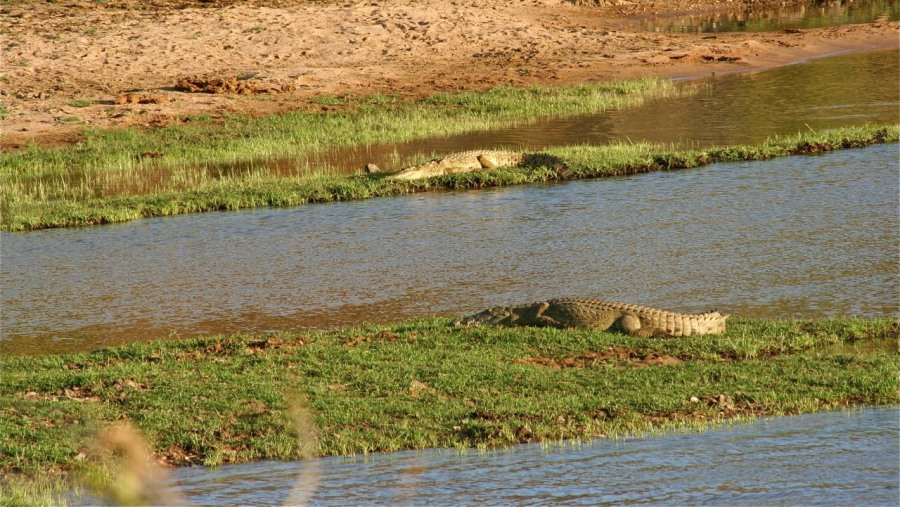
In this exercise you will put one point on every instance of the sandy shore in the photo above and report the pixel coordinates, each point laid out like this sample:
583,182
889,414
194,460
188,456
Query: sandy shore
67,67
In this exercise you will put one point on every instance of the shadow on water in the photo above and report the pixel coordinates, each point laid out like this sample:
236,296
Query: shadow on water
817,15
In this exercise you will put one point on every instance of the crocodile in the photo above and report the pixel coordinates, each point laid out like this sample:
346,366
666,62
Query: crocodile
461,162
636,320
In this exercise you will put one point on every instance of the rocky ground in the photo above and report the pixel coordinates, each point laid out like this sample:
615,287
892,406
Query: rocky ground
71,65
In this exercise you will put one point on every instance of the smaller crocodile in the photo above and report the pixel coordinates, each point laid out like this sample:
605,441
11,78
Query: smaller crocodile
636,320
460,162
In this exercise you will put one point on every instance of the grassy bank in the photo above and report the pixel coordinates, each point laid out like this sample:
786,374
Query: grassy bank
255,190
423,384
196,156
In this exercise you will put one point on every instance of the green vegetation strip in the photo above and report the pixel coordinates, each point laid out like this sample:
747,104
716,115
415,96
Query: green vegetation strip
199,156
578,161
424,384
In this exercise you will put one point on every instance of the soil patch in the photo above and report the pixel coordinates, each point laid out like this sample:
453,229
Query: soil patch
634,358
230,84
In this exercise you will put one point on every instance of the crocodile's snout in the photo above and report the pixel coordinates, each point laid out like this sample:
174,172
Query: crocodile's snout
489,316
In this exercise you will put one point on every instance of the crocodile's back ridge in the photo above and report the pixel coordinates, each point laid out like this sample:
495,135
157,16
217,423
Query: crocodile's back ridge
464,161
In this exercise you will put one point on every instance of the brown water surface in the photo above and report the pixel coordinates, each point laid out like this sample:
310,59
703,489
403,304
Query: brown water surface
785,17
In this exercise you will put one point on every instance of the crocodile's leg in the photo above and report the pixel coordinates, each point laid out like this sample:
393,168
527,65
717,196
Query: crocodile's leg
543,320
499,315
486,163
631,324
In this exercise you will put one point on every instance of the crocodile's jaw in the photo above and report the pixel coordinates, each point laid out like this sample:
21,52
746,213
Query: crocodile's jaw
496,316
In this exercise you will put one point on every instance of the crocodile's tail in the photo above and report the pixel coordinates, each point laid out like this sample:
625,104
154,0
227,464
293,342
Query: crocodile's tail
643,320
676,324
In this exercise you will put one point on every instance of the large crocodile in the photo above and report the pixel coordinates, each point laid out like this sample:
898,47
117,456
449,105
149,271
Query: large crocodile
636,320
461,162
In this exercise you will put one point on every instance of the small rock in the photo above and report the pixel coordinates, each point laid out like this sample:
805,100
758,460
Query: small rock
417,389
371,169
695,399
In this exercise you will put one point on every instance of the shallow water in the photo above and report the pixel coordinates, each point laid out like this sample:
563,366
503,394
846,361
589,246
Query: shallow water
741,108
807,236
818,15
831,458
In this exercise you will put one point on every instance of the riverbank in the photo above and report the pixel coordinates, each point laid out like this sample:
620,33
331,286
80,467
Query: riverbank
421,384
155,64
253,190
159,165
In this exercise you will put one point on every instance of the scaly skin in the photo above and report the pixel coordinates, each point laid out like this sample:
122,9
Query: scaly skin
636,320
460,162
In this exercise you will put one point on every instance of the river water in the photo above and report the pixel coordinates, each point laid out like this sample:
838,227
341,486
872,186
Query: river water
830,458
808,236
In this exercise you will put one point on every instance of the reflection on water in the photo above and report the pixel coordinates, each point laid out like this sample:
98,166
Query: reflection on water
798,236
794,16
745,108
834,458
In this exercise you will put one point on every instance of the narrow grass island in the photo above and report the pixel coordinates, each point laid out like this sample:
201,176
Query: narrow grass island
121,175
415,385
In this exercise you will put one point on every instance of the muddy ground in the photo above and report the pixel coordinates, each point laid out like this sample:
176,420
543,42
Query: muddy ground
75,64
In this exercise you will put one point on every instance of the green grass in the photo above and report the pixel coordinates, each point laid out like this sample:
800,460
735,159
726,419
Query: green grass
197,192
423,384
